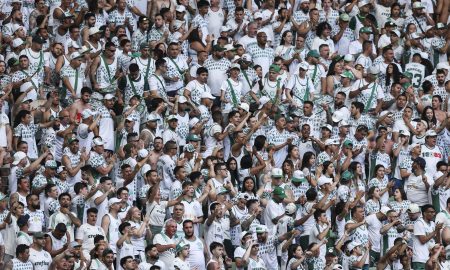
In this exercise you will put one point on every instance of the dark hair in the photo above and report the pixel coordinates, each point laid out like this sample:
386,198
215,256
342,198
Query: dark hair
318,213
427,86
20,115
123,261
395,75
426,207
195,36
21,249
214,245
284,35
133,67
159,63
311,194
64,194
321,27
123,226
104,179
234,173
92,210
260,141
371,192
424,116
358,105
305,160
61,227
201,70
353,210
86,90
78,186
402,192
247,178
48,188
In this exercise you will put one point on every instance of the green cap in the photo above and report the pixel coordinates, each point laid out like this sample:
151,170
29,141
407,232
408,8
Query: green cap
408,75
344,17
278,191
181,246
347,74
313,53
189,148
348,143
38,235
338,58
275,68
218,48
347,175
144,45
365,30
406,85
222,190
298,177
3,196
72,139
193,137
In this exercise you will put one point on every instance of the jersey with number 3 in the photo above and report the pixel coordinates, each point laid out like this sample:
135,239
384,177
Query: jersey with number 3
418,72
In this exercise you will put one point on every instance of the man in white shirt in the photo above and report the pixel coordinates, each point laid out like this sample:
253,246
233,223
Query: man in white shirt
274,209
87,232
166,243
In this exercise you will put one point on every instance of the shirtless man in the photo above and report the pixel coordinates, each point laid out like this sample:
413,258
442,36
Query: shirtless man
436,104
157,5
156,152
81,104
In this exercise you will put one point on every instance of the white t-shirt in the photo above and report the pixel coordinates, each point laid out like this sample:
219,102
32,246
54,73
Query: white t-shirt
41,260
272,211
168,256
86,234
374,226
420,252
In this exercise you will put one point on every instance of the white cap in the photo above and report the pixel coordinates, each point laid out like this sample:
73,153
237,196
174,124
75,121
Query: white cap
16,27
182,99
143,153
352,245
246,57
244,106
276,172
349,58
413,208
113,201
75,55
17,42
87,113
224,28
244,234
430,133
304,1
363,3
303,65
97,142
60,169
94,30
424,55
108,96
331,142
396,32
229,47
418,5
257,15
442,65
18,156
207,95
24,87
290,208
236,66
15,1
262,101
327,126
172,117
412,146
324,180
404,132
181,8
343,123
193,122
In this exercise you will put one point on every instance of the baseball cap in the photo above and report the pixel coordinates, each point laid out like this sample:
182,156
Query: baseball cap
97,142
349,58
384,209
352,245
18,156
193,137
38,235
396,32
189,148
257,15
303,65
244,234
218,48
413,208
262,101
430,133
51,164
23,220
327,126
277,173
418,5
74,244
235,66
94,30
363,3
108,97
181,246
331,142
113,201
324,180
224,28
298,177
75,55
366,30
374,70
275,68
313,53
261,229
347,175
337,116
343,123
87,113
290,208
412,146
348,143
344,17
3,196
142,153
279,191
172,117
246,57
38,39
390,24
180,8
245,106
404,133
17,42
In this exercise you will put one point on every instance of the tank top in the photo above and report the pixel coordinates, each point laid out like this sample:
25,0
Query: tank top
74,161
93,49
113,232
19,265
58,243
126,250
62,38
196,257
105,74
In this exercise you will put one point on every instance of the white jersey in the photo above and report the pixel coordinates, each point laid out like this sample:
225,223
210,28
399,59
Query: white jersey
41,260
196,256
19,265
113,232
86,234
418,72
